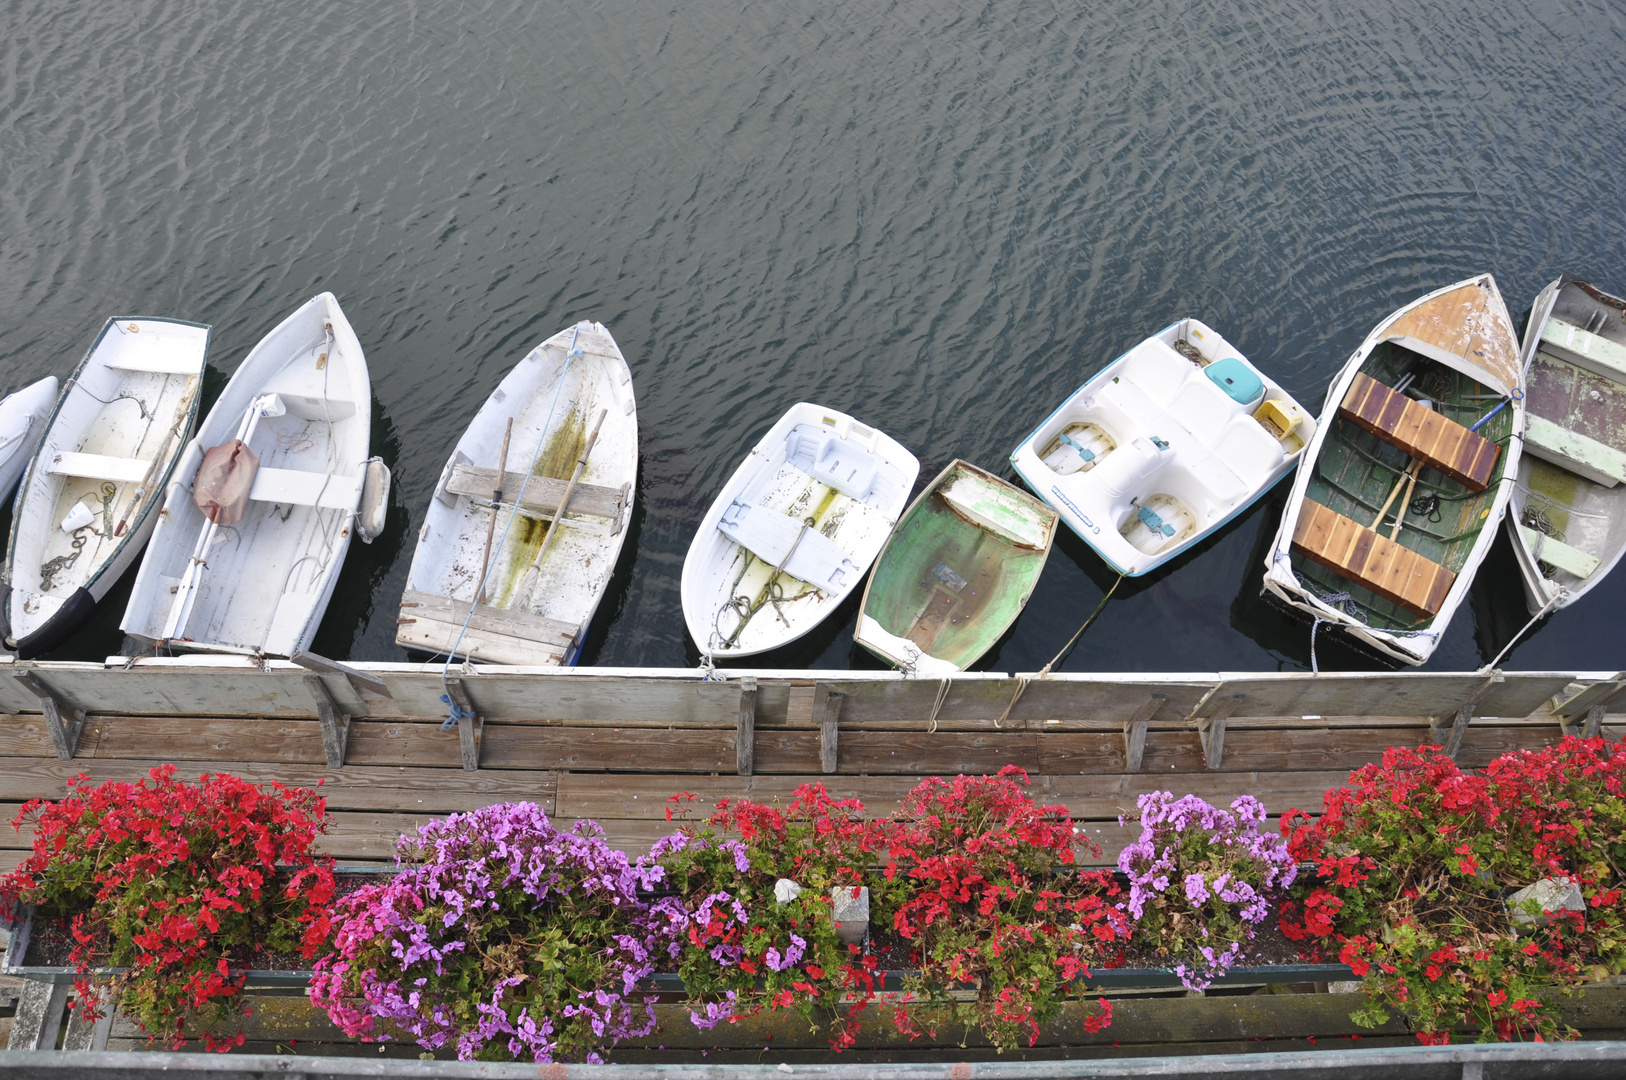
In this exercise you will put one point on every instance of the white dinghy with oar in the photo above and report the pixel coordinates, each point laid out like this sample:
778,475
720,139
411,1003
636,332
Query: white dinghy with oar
90,497
527,521
259,518
793,531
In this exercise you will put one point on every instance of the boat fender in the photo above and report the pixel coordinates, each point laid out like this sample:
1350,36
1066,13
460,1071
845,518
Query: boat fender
375,499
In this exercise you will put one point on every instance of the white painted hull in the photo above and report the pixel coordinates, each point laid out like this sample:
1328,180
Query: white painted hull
112,443
22,427
718,570
1200,456
265,581
553,401
1594,517
1280,581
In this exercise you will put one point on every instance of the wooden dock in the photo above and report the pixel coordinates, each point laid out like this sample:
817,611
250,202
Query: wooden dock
613,744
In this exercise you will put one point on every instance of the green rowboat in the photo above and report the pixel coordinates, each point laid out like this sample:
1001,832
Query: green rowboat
955,573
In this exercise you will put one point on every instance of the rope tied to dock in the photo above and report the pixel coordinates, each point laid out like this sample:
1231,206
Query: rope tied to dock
1554,601
1022,681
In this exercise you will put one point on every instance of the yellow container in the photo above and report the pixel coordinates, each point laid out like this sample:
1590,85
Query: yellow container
1281,416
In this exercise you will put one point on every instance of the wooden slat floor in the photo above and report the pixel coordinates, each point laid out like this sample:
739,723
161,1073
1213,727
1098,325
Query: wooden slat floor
401,772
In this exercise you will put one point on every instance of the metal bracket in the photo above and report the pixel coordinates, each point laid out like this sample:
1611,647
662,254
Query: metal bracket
65,722
827,731
335,722
1135,732
745,733
470,725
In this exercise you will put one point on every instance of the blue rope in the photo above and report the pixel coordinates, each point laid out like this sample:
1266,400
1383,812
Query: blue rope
457,713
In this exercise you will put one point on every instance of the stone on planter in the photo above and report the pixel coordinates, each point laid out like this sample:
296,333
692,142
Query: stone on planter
785,890
849,914
1549,894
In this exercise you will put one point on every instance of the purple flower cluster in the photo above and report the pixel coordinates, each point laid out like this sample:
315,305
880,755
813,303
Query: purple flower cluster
1201,879
548,925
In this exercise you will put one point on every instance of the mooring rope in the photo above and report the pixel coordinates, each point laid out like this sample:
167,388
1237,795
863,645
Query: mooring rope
1557,598
1023,680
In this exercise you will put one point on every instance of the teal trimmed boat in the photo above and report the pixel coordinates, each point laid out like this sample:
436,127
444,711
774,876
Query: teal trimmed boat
955,573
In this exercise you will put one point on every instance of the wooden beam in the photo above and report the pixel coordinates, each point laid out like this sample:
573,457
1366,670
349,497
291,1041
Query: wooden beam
470,725
368,687
1452,738
39,1015
1211,729
827,731
1135,732
335,722
88,1035
745,733
63,720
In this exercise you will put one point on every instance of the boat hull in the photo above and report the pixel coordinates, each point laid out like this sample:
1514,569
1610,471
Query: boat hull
737,601
553,400
955,573
303,397
1567,515
1163,447
1452,342
111,444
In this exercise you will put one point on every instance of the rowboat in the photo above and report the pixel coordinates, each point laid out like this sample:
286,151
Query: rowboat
557,441
259,517
90,497
1568,515
1164,446
22,426
1426,411
955,573
793,531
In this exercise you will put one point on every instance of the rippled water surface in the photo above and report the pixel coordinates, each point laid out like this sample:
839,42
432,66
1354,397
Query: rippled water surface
940,217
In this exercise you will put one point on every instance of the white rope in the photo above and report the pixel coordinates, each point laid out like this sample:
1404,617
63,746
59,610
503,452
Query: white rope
1557,598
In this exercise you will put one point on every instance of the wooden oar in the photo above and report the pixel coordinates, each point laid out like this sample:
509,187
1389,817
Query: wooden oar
1409,474
157,465
522,595
496,505
1405,502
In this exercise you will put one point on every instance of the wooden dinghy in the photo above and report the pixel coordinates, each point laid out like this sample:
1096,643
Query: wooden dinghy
562,427
22,426
1163,446
1568,515
955,573
1402,493
90,497
251,570
793,531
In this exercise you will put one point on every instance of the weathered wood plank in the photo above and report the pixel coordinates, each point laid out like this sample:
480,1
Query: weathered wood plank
354,787
541,492
516,746
976,704
145,737
745,729
1396,694
627,702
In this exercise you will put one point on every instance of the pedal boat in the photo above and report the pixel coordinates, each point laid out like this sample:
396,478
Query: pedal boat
1162,447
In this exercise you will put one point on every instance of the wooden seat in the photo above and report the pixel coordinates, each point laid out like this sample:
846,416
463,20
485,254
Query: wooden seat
1574,451
541,492
431,622
1423,433
120,470
1590,351
1559,555
1352,550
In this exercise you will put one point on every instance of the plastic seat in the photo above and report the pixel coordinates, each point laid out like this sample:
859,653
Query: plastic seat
1157,369
1204,410
1249,451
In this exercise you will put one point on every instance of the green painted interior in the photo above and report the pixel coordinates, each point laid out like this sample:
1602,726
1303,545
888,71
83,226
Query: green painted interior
1356,471
998,577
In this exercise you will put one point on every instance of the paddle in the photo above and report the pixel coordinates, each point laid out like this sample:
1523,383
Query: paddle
522,595
496,503
1409,474
146,487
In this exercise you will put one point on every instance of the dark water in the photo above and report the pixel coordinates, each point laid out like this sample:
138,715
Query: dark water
940,217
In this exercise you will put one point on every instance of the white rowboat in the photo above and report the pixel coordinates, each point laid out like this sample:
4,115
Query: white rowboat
22,426
473,544
91,495
793,531
302,404
1567,519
